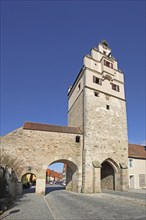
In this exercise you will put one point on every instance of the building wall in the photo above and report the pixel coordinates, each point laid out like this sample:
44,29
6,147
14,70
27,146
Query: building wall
75,113
106,87
105,132
137,173
104,117
76,90
106,129
38,149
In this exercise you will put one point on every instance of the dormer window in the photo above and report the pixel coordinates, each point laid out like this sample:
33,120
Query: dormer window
97,80
108,64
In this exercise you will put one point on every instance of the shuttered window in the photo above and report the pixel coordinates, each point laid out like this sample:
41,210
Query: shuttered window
97,80
116,87
108,64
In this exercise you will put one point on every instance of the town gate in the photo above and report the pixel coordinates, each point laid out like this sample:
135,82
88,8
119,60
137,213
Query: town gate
95,144
39,145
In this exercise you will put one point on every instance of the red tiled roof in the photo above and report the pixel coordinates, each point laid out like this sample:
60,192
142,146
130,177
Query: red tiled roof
136,151
51,128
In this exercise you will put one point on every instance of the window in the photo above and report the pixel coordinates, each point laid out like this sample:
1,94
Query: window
107,107
130,162
96,94
116,87
132,181
108,64
104,52
77,139
141,180
79,86
97,80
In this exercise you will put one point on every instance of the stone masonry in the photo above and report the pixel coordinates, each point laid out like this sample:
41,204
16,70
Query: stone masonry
99,93
38,149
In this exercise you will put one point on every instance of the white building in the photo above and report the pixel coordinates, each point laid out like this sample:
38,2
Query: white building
137,166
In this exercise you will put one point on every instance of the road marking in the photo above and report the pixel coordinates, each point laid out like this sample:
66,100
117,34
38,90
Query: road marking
54,212
49,208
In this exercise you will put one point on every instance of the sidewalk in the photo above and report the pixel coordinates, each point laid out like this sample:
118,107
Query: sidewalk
137,194
138,190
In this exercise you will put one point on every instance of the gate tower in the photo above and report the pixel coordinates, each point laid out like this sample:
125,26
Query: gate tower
97,105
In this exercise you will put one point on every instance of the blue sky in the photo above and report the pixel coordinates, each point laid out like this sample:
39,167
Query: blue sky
42,47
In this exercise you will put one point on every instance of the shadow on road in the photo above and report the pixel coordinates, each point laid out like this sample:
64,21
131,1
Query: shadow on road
50,189
29,190
10,213
12,204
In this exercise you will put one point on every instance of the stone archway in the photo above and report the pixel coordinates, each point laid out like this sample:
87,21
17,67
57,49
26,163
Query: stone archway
72,175
107,176
28,179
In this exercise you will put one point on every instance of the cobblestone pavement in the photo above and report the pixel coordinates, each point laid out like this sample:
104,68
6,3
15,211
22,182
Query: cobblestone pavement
60,204
28,207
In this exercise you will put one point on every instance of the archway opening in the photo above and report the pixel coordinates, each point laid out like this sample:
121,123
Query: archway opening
61,175
55,173
28,182
107,176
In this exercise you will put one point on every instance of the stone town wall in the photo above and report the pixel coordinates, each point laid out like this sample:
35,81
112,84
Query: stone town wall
38,149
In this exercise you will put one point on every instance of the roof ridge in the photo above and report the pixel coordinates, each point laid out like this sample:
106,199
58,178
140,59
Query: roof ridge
35,123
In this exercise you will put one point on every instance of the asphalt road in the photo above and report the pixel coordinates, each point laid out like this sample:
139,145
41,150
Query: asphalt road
63,205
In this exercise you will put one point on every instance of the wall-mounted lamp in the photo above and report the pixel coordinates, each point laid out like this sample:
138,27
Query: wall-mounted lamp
28,168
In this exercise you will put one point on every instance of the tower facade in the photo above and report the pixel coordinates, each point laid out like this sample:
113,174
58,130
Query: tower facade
96,104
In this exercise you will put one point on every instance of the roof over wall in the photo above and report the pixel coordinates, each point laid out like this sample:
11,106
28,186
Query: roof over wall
137,151
51,128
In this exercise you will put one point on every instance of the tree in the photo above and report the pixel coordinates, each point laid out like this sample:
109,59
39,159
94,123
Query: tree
11,162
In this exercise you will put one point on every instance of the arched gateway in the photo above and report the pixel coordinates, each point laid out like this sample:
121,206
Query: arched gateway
72,175
97,130
109,172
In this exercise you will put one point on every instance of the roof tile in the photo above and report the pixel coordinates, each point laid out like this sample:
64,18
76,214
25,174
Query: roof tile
51,128
137,151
